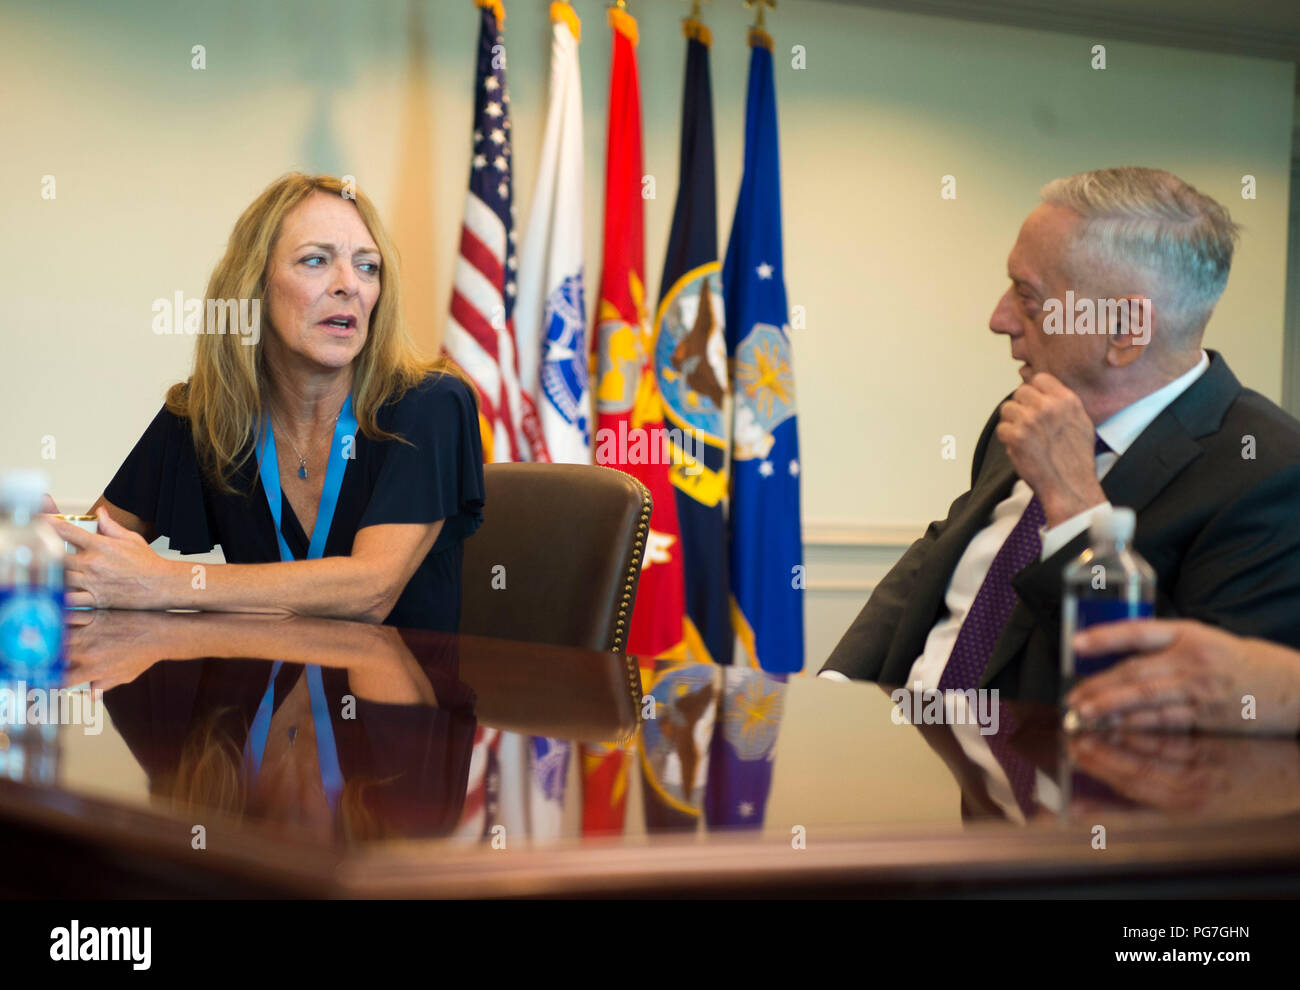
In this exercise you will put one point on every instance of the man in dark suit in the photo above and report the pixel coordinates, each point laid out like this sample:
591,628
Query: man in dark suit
1124,413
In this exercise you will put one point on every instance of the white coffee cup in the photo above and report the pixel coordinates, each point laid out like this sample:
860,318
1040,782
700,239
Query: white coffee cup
89,523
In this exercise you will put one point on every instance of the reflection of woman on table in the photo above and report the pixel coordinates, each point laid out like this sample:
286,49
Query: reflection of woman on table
400,747
338,472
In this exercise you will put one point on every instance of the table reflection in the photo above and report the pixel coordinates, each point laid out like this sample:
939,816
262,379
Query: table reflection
1019,766
339,734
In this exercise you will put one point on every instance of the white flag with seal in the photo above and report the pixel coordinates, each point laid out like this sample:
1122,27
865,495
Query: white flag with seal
550,310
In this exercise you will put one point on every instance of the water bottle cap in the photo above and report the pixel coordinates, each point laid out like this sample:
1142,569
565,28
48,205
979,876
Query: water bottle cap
1116,525
23,488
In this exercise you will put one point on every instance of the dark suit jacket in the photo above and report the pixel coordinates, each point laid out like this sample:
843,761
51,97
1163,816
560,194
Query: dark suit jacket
1220,528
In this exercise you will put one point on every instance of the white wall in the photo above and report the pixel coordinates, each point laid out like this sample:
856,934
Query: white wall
154,161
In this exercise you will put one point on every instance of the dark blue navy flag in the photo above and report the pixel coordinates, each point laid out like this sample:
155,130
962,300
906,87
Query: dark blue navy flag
691,365
766,542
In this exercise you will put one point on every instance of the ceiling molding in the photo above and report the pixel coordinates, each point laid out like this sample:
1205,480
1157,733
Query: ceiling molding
1145,21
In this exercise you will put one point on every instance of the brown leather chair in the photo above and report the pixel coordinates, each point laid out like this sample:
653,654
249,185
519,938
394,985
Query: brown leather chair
570,538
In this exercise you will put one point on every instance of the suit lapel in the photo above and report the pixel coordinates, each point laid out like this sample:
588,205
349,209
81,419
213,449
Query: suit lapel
994,484
1147,467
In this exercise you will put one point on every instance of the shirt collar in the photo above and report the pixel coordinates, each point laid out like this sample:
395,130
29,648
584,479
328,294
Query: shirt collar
1127,425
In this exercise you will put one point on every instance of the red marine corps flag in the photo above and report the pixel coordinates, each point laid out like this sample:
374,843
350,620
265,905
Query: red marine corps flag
629,415
629,409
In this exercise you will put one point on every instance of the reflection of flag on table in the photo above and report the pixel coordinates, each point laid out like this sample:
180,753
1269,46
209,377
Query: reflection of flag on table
766,544
480,333
744,746
691,363
482,787
533,774
604,787
675,742
551,316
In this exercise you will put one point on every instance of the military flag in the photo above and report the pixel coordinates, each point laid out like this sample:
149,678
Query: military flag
691,364
630,431
629,416
551,315
766,557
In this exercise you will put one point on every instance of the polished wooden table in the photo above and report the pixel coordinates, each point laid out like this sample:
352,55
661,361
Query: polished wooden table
483,768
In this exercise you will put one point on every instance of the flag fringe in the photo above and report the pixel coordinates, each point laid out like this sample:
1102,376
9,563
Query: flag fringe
757,36
624,23
496,6
696,31
564,13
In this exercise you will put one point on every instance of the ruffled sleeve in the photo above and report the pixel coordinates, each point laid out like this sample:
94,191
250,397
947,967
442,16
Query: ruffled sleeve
438,474
161,482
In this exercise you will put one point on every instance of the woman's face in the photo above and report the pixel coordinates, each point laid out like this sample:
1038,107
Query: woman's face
323,282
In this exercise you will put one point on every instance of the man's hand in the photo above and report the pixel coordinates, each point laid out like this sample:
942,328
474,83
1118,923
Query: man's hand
1193,676
1220,776
1051,441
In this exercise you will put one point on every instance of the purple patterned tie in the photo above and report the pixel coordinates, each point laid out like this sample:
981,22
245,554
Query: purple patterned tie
1021,774
996,599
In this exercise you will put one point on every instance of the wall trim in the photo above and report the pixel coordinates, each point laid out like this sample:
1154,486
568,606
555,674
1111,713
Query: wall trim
1113,22
862,588
853,534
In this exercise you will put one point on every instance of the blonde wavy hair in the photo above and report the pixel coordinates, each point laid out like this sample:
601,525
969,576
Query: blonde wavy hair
223,397
211,776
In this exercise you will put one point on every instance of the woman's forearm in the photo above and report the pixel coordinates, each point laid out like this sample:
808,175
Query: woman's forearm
331,587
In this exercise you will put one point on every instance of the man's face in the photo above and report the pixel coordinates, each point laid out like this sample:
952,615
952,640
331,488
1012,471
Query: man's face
1076,360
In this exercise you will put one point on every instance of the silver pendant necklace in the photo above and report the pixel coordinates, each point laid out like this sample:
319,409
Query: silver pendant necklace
302,461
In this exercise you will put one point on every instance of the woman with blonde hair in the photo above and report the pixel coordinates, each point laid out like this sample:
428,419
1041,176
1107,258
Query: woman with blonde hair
339,473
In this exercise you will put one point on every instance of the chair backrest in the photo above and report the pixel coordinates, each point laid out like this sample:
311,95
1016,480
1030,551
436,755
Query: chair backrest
558,556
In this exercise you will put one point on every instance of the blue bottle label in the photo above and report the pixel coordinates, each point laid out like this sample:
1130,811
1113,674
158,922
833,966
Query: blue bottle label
1095,612
31,627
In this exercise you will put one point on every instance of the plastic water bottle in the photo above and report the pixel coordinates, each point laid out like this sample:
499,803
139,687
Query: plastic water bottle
31,581
1108,582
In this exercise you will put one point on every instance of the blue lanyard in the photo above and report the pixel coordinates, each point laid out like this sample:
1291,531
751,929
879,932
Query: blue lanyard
327,754
329,496
269,468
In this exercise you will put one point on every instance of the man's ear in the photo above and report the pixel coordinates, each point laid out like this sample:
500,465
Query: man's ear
1128,331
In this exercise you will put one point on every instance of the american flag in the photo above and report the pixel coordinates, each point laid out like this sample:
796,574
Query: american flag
480,333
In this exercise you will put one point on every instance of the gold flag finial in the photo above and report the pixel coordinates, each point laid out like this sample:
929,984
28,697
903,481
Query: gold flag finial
761,5
693,27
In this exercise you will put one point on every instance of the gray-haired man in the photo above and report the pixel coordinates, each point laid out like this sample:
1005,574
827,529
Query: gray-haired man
1113,279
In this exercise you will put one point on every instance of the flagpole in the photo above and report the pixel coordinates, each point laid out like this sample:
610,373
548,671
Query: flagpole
694,27
760,6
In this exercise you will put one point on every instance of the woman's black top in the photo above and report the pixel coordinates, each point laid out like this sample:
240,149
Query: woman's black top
438,475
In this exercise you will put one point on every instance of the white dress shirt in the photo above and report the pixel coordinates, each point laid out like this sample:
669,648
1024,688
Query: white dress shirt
1119,432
